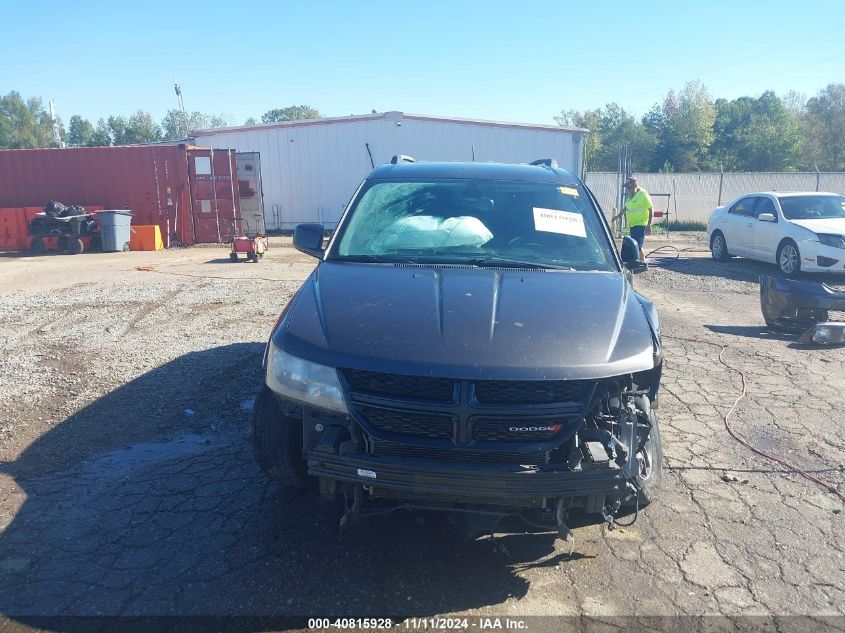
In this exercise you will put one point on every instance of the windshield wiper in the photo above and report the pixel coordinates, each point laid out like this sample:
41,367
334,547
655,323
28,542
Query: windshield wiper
506,262
375,259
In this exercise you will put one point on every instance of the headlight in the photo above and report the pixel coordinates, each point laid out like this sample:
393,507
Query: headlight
828,239
303,381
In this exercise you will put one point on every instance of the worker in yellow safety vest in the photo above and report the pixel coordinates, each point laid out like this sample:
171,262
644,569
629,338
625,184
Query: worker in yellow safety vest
639,212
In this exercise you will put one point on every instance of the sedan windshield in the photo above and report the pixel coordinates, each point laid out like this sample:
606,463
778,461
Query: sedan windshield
477,222
812,207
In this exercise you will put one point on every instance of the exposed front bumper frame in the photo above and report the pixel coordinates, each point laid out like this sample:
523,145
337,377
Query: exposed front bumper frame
484,483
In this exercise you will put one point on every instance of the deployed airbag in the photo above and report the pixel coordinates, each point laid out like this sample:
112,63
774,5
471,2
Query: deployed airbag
426,231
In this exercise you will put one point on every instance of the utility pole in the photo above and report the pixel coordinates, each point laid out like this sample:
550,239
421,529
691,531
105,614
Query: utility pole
54,120
181,103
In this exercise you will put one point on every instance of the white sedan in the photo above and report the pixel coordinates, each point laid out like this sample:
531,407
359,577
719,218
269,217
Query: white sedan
797,230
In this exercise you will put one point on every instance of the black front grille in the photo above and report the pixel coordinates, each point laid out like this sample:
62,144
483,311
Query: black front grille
407,423
383,385
515,430
533,458
530,391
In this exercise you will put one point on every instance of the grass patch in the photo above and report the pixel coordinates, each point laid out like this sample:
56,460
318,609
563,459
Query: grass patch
680,225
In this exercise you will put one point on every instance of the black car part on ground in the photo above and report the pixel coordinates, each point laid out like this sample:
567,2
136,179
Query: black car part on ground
799,306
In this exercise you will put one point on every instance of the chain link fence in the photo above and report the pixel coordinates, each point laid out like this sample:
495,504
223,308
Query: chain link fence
693,196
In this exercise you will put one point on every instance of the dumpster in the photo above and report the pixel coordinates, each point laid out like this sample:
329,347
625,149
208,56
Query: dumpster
114,229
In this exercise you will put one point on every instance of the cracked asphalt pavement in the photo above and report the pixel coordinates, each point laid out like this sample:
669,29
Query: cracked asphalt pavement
128,486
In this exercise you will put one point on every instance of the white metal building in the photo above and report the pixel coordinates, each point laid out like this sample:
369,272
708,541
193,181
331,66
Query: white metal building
311,168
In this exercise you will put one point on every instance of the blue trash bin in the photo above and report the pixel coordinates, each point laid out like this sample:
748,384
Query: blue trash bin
114,229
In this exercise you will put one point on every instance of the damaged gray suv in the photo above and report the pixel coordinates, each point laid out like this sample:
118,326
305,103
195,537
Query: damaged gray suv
470,341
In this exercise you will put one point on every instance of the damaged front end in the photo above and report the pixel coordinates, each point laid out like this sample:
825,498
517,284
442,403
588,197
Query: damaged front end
532,449
811,309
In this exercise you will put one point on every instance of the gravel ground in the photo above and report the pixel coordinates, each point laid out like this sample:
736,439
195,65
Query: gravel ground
128,487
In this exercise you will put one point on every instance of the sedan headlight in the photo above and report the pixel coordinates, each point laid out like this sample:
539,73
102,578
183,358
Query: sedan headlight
304,381
829,239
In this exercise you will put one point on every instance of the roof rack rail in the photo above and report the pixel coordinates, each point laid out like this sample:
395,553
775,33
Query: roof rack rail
544,162
401,158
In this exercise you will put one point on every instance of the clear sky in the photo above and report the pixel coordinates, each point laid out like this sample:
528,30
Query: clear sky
514,61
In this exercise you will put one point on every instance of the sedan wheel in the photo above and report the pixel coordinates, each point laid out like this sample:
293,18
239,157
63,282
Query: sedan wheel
789,261
719,248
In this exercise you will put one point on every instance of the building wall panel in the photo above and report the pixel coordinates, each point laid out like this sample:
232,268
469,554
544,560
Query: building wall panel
310,169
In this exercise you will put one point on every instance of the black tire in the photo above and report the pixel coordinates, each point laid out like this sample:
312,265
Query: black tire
75,246
62,244
36,245
650,471
233,257
254,258
277,442
719,247
788,253
773,325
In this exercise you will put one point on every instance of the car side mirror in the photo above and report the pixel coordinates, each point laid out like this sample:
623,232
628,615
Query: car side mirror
767,217
308,238
631,255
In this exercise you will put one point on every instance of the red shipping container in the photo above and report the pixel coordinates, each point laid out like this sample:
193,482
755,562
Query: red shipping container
189,190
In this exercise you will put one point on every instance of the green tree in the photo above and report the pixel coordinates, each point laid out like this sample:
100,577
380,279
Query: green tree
138,128
756,134
591,120
686,129
117,130
251,121
290,113
796,103
177,124
142,128
24,123
610,128
102,134
80,132
825,125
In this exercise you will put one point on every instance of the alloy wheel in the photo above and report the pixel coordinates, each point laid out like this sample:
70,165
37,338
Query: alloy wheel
718,246
788,259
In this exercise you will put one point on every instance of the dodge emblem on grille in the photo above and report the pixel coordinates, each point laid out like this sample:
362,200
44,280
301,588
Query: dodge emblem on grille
552,428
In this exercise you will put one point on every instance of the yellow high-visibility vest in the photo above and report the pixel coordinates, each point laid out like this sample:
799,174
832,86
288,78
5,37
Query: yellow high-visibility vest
636,208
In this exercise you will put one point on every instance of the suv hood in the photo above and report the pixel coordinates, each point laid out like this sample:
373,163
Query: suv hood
466,322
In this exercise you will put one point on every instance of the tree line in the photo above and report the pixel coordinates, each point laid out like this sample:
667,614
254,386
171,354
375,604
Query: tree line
690,131
26,123
687,131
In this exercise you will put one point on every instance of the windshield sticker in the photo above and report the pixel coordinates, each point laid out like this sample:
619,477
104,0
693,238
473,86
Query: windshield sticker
563,222
568,191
